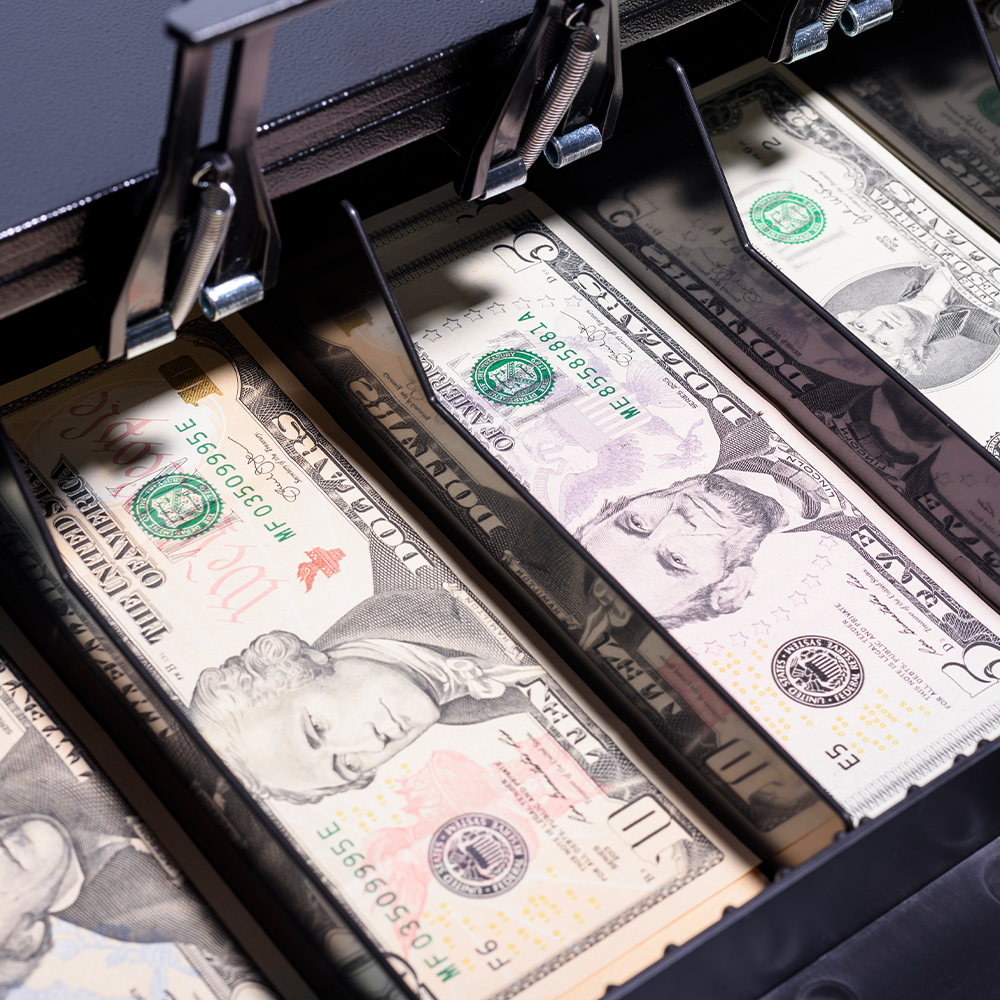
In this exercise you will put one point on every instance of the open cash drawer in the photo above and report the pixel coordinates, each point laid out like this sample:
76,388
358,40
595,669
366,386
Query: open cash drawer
824,900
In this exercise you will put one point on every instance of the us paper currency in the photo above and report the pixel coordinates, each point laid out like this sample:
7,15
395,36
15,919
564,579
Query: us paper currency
764,796
90,902
474,809
903,269
681,244
841,635
30,562
942,117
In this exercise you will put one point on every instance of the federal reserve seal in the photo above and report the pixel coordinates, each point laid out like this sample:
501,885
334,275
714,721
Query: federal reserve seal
513,377
476,854
176,506
993,444
787,217
817,671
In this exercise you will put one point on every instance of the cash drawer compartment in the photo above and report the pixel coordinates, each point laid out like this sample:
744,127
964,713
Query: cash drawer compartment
866,871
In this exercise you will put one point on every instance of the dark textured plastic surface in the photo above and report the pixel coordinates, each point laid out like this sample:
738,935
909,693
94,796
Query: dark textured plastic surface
940,944
83,88
831,898
83,99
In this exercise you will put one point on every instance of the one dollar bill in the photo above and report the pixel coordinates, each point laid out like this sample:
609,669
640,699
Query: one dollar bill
840,634
480,815
911,276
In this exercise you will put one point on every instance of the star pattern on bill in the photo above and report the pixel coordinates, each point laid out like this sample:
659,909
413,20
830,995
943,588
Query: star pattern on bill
822,562
738,639
573,302
519,303
496,308
432,335
828,542
969,479
452,324
547,301
761,627
474,315
714,647
942,478
798,598
811,580
780,615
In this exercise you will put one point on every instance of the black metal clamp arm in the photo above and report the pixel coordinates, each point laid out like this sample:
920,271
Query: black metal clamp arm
230,255
562,98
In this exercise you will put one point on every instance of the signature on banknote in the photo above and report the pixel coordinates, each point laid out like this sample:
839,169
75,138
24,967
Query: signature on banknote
265,467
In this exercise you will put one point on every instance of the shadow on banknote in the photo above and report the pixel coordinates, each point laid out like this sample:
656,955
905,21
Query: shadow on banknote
664,212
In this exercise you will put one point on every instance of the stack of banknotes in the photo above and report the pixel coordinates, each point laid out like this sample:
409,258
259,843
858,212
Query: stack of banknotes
847,639
488,825
915,283
943,120
468,818
91,904
902,268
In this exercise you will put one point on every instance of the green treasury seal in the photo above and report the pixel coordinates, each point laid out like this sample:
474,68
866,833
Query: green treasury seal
176,506
513,377
988,103
787,217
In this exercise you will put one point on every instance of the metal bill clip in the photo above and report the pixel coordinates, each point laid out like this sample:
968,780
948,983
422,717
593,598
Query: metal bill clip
561,100
210,235
817,21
